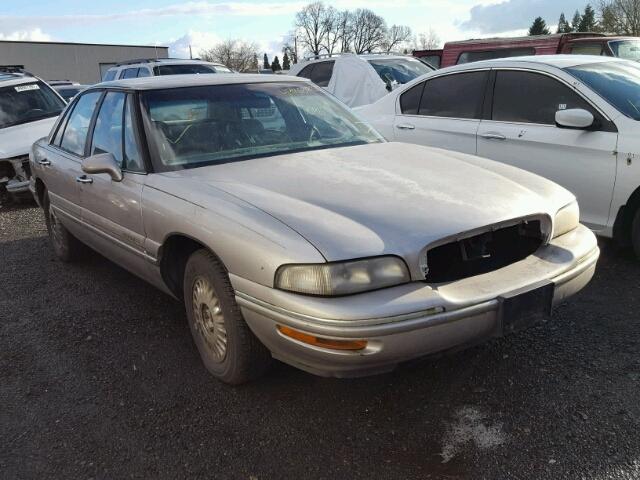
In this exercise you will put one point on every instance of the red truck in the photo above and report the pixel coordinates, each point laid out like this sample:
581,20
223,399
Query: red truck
467,51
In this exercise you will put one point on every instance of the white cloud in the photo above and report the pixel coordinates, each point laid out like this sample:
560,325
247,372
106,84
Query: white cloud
35,35
198,41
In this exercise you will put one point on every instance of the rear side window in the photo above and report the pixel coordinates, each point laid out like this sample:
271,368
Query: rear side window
454,96
110,75
129,73
107,134
587,49
321,74
144,72
466,57
527,97
74,137
410,100
306,71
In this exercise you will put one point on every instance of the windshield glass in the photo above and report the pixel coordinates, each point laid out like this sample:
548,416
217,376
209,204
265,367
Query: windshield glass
183,69
399,70
617,82
28,102
222,69
195,126
627,49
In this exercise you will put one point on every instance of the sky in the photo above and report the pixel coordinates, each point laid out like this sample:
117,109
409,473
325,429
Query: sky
202,23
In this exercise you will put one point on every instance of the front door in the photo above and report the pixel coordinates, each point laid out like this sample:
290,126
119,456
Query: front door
443,112
522,132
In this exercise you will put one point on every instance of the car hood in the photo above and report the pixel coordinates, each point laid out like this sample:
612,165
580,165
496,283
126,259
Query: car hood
387,198
17,140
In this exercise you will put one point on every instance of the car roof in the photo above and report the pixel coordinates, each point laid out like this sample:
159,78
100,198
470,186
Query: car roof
165,61
9,79
364,56
177,81
558,61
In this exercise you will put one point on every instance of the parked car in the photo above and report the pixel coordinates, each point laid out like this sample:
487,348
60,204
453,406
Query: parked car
28,109
455,53
68,90
149,67
360,79
311,240
572,119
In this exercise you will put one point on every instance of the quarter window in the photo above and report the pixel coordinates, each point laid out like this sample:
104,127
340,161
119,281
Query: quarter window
74,137
527,97
144,72
110,75
410,100
129,73
306,71
107,134
454,96
132,158
321,74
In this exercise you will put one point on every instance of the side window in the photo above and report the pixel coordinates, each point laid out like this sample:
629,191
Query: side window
321,74
132,158
527,97
454,96
306,71
110,75
61,126
410,100
107,134
587,49
129,73
144,72
74,137
466,57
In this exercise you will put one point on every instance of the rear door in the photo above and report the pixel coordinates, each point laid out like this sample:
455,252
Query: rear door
443,111
521,131
59,164
112,209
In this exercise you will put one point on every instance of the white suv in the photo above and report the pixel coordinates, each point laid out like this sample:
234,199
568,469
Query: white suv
28,110
360,79
161,66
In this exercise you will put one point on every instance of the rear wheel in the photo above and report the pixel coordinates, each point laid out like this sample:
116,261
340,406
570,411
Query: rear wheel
228,348
66,247
635,233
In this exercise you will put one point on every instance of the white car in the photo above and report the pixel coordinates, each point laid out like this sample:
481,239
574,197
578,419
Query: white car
360,79
152,67
571,118
28,110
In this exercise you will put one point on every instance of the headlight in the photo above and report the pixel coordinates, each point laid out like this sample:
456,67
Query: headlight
342,278
566,219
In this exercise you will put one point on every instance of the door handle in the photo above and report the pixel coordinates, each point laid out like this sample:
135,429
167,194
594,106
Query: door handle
405,126
84,179
44,162
493,136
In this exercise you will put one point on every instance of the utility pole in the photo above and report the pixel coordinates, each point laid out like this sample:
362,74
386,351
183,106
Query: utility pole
190,52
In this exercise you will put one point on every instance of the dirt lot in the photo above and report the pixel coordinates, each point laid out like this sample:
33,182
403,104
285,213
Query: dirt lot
99,379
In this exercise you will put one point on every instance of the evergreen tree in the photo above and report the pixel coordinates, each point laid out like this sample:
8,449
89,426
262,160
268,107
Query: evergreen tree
275,66
265,62
286,65
575,23
563,25
539,27
588,20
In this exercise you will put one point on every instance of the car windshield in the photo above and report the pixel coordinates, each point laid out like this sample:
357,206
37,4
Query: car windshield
394,71
222,69
617,82
195,126
183,69
627,49
28,102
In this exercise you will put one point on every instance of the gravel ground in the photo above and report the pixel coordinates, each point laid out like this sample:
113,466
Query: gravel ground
99,378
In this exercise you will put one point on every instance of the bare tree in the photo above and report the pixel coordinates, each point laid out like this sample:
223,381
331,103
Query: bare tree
428,41
396,36
290,46
345,30
312,24
332,38
369,31
233,53
620,16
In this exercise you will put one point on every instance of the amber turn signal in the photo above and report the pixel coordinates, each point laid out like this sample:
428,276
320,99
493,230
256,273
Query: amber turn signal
323,342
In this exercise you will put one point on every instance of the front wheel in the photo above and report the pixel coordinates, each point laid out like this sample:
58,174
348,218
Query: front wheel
228,348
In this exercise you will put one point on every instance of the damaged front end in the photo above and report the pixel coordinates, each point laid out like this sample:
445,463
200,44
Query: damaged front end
15,173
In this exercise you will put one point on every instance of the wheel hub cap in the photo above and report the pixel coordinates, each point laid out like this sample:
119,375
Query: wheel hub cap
209,320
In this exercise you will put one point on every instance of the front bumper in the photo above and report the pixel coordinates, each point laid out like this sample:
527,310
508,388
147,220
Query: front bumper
409,321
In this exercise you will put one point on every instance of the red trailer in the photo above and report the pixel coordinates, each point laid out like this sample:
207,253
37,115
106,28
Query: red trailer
467,51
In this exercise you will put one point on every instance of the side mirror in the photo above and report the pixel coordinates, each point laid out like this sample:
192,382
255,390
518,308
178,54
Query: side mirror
102,163
575,118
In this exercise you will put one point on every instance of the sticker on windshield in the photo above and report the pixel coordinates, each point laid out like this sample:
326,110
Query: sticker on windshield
562,106
24,88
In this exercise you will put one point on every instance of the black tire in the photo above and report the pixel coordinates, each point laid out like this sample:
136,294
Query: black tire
215,319
66,247
635,234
